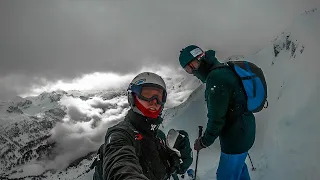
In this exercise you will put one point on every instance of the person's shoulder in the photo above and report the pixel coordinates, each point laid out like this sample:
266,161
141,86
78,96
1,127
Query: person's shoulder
122,130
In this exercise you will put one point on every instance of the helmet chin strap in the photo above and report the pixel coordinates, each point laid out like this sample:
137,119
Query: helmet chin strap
146,112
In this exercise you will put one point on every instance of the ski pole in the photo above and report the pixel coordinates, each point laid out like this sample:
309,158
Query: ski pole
200,134
253,168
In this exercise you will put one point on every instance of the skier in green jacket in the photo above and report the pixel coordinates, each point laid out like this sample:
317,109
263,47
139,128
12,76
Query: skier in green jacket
228,118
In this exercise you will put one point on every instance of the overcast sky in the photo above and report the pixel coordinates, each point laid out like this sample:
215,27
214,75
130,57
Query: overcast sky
45,41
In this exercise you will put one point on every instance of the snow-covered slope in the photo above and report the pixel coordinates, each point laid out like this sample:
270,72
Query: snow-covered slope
55,135
287,136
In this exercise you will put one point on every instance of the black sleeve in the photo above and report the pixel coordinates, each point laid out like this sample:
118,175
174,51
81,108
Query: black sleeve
119,159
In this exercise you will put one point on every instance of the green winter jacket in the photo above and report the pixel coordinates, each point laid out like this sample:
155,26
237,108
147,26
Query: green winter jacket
227,118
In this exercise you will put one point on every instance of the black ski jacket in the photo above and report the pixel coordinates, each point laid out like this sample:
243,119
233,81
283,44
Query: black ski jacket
141,157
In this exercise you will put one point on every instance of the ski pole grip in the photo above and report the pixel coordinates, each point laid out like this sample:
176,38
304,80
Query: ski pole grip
200,130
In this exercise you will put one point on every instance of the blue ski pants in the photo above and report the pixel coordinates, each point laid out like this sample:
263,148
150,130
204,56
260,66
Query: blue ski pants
233,167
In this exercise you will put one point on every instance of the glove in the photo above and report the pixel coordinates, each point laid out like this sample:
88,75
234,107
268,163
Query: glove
174,163
171,141
198,145
178,142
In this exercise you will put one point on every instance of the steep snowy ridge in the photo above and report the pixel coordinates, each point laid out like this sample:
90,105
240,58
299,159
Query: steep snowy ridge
170,113
287,141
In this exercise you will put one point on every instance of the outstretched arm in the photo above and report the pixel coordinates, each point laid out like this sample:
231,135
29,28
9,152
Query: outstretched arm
120,161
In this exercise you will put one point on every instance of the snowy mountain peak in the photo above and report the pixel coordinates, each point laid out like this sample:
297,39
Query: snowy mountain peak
53,96
285,42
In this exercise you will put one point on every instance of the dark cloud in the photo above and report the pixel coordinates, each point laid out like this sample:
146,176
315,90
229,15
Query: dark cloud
6,94
15,84
65,39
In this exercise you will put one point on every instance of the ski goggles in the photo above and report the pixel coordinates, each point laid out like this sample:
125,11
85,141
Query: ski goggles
149,92
194,64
